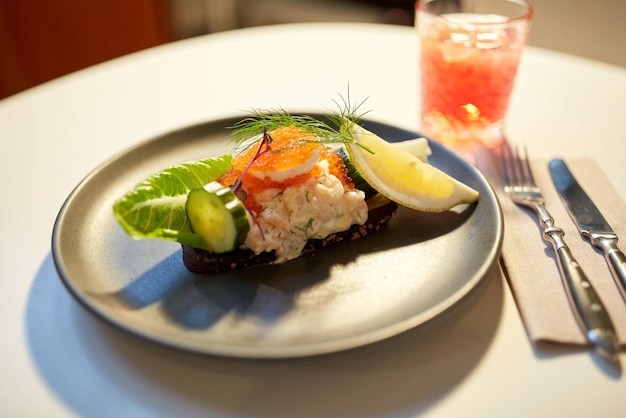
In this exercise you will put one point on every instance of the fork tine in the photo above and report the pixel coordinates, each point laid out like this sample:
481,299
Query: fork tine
505,160
515,172
516,168
528,173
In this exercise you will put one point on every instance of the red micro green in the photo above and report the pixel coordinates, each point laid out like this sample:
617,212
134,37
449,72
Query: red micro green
264,147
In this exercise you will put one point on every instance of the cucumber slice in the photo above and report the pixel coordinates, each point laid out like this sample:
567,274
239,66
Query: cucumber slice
217,215
357,179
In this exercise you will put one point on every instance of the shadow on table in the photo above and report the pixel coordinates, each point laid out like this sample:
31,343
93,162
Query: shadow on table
97,370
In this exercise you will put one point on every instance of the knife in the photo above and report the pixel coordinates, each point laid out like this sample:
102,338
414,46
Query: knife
591,224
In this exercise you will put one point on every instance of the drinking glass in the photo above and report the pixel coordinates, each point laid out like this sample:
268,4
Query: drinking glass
470,51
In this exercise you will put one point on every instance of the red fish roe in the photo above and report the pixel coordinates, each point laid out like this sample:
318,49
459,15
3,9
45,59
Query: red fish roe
291,146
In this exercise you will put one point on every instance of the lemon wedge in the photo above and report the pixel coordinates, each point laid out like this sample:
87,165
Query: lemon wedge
403,177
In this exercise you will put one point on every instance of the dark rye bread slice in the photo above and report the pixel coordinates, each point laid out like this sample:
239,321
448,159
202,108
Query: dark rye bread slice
205,262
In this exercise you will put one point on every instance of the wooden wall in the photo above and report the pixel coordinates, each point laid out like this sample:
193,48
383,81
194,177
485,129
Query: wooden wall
44,39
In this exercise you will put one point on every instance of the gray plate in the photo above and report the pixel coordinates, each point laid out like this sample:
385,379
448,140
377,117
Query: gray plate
341,297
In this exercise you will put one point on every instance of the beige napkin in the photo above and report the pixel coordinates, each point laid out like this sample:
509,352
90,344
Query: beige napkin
530,263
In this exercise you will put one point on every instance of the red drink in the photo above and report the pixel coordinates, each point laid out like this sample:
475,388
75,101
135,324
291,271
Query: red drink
468,66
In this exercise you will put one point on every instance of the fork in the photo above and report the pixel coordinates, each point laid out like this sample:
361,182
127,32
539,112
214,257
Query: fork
591,314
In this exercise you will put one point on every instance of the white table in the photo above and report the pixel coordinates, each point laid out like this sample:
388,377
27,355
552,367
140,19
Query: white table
58,360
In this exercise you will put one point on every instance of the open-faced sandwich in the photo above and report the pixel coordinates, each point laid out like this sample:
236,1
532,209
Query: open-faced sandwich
292,185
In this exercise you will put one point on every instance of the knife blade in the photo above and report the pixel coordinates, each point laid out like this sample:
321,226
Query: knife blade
589,220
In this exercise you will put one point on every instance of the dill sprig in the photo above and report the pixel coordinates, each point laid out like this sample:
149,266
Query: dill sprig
254,125
346,115
336,130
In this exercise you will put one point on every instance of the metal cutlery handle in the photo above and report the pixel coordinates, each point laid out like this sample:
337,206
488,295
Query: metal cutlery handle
614,256
589,306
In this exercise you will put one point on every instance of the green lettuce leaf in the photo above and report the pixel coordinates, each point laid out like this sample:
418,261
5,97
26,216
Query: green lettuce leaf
155,208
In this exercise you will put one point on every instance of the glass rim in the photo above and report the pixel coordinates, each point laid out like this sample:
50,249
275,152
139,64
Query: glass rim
526,16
